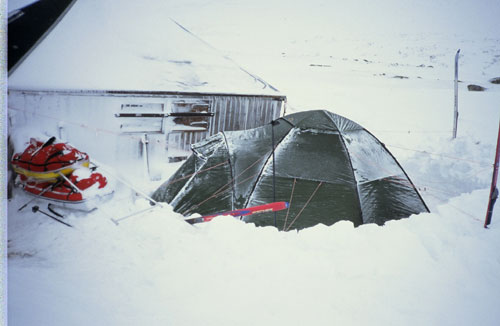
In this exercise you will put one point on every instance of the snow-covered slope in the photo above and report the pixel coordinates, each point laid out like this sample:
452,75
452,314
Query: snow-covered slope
130,46
387,66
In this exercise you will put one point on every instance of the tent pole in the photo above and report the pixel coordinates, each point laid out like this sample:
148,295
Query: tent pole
273,123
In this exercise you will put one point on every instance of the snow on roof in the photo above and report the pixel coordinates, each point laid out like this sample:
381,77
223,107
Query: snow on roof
129,45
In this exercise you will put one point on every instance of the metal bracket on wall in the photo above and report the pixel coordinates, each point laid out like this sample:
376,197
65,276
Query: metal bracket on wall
163,115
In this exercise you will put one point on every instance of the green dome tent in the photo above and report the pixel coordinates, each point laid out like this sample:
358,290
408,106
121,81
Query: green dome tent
327,167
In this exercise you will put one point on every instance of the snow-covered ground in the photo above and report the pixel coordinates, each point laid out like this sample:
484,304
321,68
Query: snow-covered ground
389,67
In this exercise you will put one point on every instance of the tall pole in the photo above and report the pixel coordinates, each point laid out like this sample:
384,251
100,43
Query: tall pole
274,122
455,113
493,190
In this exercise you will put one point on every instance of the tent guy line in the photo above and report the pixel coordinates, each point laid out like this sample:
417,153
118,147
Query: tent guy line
303,207
472,216
197,172
219,192
138,138
442,155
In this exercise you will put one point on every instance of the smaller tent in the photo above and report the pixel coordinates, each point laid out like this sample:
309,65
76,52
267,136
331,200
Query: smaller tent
327,167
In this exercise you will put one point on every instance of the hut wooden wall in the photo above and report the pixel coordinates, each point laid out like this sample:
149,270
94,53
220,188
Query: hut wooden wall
88,119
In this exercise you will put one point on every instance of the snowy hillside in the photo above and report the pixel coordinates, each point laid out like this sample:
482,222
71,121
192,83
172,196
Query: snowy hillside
388,67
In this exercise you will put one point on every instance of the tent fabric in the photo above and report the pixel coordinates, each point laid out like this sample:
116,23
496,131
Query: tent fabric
327,167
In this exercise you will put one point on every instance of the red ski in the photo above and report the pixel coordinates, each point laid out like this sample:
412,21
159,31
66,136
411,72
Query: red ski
272,207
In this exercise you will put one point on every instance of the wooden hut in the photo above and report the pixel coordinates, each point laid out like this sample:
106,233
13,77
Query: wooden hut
125,82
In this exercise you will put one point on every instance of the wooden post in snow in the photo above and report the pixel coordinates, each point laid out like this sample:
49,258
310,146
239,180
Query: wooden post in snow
493,190
455,113
145,155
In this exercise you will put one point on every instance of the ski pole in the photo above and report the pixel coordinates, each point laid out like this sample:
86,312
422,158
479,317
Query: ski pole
127,184
75,188
118,220
35,209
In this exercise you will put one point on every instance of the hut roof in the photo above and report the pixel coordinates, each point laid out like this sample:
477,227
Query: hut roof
129,45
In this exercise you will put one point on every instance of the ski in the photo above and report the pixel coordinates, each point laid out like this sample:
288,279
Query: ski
272,207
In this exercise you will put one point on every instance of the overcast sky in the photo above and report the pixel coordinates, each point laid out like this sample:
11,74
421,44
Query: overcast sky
16,4
404,15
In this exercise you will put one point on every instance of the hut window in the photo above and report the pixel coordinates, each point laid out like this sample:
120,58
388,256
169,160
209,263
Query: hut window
141,117
191,115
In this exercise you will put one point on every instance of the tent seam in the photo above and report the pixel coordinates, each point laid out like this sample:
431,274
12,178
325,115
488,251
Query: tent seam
377,179
352,168
230,169
403,170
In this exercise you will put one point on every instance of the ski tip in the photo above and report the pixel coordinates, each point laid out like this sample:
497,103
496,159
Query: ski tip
195,220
